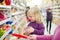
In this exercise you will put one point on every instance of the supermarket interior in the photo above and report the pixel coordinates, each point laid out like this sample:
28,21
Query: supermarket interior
29,19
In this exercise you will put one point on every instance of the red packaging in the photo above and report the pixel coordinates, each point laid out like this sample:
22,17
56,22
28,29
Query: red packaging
8,2
20,36
2,16
7,28
28,19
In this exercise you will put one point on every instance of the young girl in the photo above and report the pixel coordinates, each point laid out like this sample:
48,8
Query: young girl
36,25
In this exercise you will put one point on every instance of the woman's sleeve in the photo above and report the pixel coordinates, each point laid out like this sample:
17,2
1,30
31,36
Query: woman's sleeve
40,30
57,34
44,37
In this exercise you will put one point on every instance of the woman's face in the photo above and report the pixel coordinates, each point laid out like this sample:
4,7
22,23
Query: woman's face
49,10
32,18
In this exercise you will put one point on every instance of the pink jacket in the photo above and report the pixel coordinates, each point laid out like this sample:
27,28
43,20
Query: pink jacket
56,36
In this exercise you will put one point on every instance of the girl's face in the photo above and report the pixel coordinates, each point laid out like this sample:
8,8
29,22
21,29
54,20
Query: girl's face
32,18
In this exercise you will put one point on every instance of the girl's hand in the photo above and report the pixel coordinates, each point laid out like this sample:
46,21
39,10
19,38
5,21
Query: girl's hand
32,37
29,30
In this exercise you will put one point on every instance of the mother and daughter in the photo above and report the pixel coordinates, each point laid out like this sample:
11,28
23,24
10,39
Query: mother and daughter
36,28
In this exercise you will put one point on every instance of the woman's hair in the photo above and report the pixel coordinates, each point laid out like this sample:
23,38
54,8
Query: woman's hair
35,12
27,10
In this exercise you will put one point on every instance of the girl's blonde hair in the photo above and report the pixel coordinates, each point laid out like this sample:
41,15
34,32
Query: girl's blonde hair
35,12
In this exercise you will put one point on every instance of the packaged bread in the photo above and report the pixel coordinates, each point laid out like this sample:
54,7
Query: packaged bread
22,26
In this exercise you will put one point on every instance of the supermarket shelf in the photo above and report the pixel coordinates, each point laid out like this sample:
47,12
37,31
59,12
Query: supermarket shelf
55,7
1,6
23,4
26,26
13,23
5,34
56,16
18,13
21,7
55,13
17,19
55,10
1,22
18,24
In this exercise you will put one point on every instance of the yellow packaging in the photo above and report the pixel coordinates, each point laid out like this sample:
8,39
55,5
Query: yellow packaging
22,26
4,3
13,27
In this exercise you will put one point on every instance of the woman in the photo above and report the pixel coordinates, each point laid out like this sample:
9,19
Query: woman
49,19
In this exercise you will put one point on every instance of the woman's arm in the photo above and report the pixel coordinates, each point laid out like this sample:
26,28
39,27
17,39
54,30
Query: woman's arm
44,37
57,34
40,37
